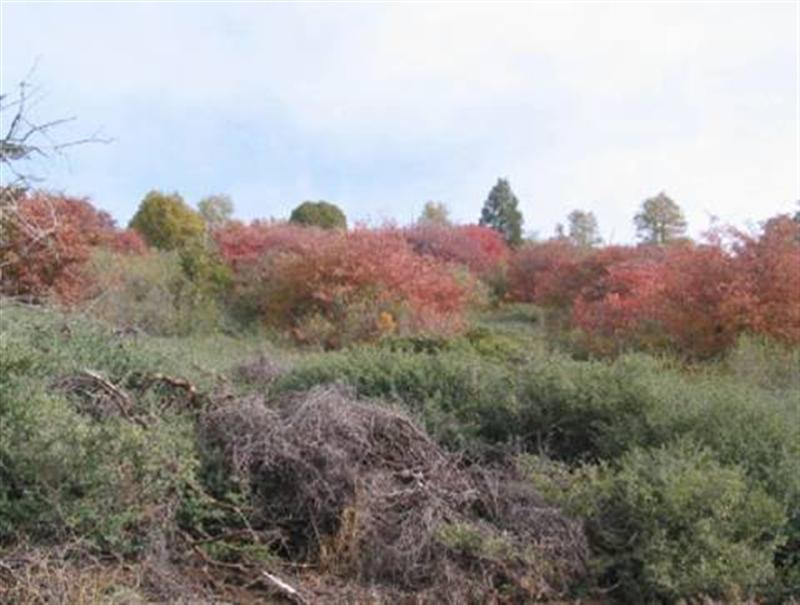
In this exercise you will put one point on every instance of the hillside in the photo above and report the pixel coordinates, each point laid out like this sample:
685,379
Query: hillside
487,468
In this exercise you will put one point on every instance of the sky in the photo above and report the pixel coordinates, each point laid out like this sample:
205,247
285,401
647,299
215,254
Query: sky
381,107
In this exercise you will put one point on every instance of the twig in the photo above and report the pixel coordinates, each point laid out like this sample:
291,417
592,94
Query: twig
284,588
179,383
120,398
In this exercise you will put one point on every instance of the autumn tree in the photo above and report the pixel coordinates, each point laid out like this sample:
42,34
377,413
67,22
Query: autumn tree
46,244
501,213
167,222
38,226
319,214
434,213
660,220
583,229
216,210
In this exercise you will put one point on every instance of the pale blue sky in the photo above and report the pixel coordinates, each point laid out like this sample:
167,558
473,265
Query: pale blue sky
380,107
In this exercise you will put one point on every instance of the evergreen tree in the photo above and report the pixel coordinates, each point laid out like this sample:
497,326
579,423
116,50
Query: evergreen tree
660,220
319,214
501,213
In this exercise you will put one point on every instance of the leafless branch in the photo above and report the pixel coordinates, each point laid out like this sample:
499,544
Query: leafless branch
22,140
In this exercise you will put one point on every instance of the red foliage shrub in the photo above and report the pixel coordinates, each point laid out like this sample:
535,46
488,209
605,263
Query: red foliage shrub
680,298
241,245
618,309
127,241
696,299
334,288
589,279
556,272
768,279
545,273
45,242
699,306
478,248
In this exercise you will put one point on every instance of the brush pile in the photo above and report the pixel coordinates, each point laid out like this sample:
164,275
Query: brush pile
358,491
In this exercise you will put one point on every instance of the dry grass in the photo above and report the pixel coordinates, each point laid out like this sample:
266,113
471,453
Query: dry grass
69,574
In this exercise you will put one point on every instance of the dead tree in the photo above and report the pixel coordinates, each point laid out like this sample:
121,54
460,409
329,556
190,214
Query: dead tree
22,140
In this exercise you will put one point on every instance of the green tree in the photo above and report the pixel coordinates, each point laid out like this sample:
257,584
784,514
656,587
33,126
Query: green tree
167,222
319,214
216,210
434,213
501,213
660,220
583,229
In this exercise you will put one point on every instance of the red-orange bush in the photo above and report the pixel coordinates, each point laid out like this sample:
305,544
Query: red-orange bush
45,241
480,249
334,288
127,241
556,272
681,298
618,310
241,245
696,299
768,279
700,306
545,273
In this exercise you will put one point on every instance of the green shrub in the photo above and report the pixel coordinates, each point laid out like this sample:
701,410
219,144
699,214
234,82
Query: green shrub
65,476
442,388
766,363
166,222
154,293
579,410
672,523
319,214
66,469
479,340
582,411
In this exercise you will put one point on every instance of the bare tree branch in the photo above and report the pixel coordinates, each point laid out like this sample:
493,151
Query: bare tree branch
22,140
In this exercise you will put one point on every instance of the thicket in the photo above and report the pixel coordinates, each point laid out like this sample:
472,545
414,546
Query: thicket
123,480
685,298
334,288
46,243
657,439
686,482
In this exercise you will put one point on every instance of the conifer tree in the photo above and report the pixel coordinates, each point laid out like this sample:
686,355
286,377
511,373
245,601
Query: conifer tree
501,213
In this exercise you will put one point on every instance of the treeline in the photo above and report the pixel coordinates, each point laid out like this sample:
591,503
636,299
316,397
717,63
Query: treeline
176,269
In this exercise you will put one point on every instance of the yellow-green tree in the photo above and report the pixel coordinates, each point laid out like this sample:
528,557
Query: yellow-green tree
165,221
434,213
